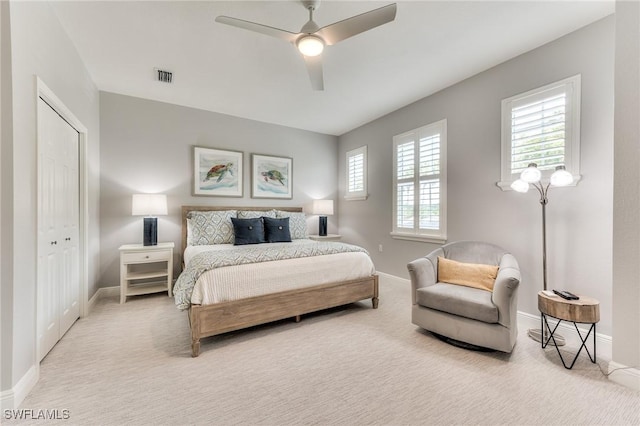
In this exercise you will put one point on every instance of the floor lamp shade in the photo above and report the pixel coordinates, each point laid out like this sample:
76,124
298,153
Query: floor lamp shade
149,205
322,208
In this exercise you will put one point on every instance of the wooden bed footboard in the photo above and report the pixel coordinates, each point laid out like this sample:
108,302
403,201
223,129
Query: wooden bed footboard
210,320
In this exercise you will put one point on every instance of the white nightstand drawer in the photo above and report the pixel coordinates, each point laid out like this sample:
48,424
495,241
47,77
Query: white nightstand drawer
146,256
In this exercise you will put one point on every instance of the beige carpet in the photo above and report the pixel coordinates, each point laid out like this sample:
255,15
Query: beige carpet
131,364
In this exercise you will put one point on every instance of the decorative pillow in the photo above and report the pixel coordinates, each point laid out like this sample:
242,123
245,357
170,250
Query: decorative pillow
252,214
468,274
248,231
211,227
297,223
277,230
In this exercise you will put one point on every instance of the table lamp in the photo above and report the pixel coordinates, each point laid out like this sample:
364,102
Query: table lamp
322,208
149,205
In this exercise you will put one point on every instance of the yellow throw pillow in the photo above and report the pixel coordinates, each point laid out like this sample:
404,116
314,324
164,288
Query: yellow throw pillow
468,274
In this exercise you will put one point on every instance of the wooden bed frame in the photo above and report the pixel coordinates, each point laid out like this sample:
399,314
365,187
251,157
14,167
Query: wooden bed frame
210,320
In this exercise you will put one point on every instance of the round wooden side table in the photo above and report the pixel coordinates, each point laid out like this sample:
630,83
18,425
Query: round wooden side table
585,310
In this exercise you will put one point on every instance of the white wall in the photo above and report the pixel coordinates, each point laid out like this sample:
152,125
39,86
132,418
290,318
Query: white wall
626,220
579,219
39,47
147,146
6,308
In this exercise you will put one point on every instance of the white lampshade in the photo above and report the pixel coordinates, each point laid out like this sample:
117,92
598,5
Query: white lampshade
149,205
322,207
561,177
531,174
520,186
310,45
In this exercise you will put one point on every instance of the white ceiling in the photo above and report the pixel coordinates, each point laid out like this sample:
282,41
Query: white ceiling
429,46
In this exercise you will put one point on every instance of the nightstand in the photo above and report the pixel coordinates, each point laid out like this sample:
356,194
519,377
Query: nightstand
145,269
328,237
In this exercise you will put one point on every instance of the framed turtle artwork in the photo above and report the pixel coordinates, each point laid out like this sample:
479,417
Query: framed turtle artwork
217,172
271,177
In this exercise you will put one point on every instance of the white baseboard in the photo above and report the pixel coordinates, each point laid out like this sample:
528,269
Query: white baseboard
103,292
12,398
623,375
604,343
390,277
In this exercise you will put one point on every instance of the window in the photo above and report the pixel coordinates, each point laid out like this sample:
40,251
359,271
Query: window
542,126
420,183
356,174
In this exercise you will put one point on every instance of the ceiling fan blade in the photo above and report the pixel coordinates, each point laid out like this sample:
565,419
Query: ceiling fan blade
314,68
258,28
357,24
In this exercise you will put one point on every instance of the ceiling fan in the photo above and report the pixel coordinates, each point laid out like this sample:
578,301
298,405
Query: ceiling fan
312,39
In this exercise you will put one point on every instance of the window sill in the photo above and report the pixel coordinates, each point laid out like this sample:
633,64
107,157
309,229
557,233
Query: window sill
421,238
355,197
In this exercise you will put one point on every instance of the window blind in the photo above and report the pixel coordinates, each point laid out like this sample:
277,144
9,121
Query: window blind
356,173
419,182
538,132
426,183
541,126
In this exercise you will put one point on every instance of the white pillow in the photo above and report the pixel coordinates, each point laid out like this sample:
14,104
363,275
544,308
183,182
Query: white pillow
253,214
210,227
297,223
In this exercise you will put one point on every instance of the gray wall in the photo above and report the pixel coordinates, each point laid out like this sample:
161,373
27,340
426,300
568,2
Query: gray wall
147,146
39,47
626,221
579,218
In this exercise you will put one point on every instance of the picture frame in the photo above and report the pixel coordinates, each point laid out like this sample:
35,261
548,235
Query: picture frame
217,172
271,177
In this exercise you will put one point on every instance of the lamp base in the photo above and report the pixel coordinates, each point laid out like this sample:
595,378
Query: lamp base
536,334
150,233
322,226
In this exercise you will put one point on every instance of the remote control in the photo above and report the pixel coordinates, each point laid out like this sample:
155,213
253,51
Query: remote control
566,295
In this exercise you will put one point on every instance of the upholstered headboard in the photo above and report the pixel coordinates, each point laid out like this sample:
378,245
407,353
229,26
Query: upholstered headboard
187,209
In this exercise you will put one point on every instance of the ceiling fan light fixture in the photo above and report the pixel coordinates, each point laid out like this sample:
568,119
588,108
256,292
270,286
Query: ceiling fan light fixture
310,45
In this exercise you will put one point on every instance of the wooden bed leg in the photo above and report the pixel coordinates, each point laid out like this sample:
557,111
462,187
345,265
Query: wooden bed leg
374,299
297,318
195,348
194,322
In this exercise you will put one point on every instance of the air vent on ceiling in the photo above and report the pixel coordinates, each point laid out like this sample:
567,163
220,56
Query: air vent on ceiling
163,75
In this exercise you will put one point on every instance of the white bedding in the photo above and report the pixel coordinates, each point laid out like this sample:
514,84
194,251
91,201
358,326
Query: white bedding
238,282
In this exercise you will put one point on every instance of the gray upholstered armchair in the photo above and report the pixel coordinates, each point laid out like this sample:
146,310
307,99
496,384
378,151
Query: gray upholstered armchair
480,317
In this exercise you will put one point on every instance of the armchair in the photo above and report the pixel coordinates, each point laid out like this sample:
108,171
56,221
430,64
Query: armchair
479,317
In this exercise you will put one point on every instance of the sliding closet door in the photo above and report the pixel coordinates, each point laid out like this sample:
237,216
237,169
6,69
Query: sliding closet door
58,231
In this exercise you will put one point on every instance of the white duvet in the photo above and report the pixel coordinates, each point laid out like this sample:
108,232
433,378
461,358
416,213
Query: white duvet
238,282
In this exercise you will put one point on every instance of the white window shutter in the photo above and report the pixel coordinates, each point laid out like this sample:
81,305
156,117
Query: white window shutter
541,126
356,174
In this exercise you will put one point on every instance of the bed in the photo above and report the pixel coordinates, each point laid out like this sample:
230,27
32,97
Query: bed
247,302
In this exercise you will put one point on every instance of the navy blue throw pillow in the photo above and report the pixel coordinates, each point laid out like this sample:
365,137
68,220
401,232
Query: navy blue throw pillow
277,230
248,231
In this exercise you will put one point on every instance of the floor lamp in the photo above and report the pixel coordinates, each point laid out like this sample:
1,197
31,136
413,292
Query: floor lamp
531,177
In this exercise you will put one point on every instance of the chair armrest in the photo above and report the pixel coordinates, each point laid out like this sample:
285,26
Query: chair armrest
505,290
423,272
